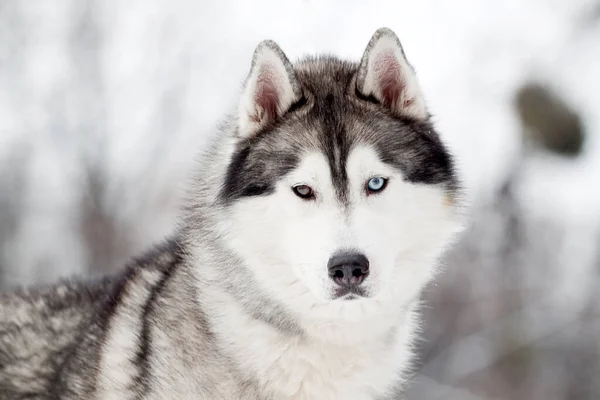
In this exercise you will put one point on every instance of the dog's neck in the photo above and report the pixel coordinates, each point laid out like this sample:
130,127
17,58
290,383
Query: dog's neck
308,356
320,360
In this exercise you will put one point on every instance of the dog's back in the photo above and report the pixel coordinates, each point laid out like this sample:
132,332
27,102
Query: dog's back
39,328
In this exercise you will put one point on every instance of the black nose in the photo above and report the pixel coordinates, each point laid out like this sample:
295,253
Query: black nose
348,269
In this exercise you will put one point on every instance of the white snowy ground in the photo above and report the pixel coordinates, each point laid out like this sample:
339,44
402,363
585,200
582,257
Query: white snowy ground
136,87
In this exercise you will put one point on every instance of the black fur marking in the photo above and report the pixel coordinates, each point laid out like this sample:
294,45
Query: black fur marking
231,187
258,189
331,118
335,141
239,182
99,290
143,353
298,105
256,168
419,154
100,325
370,98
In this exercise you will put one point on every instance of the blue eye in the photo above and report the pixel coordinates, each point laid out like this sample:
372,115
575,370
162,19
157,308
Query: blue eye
376,184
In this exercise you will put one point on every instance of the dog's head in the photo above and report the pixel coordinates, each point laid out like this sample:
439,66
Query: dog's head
339,190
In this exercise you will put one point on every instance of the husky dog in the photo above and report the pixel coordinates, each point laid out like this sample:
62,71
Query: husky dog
316,218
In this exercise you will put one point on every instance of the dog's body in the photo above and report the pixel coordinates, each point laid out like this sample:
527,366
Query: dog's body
317,219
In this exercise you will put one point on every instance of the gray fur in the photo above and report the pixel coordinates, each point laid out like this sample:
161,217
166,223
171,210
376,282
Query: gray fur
364,62
54,341
332,119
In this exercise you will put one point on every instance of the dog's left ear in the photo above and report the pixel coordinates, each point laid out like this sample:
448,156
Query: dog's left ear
385,74
270,89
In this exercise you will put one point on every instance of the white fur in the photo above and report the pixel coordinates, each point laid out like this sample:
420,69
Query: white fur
354,349
295,368
116,367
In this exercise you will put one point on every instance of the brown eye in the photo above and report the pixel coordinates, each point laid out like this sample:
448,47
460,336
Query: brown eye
304,192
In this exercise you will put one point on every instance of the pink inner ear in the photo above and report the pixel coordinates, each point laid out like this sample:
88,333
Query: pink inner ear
266,96
388,73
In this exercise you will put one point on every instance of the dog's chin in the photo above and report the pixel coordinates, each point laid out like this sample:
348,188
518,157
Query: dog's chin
349,293
344,311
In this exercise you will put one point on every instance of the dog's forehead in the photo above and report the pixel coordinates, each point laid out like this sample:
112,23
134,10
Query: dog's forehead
325,75
331,120
334,121
362,163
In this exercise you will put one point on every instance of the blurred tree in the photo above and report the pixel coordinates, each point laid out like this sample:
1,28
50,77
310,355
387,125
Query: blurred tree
548,121
13,184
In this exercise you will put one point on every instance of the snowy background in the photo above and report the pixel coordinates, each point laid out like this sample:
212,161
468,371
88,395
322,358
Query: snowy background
104,105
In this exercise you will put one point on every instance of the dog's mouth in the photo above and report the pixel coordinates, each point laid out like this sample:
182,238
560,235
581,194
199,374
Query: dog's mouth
349,293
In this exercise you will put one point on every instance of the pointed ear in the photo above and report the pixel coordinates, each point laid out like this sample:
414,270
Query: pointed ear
385,74
270,89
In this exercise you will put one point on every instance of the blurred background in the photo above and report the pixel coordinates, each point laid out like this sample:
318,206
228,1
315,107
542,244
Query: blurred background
105,104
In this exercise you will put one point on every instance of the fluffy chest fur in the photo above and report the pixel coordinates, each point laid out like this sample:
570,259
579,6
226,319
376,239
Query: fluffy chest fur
284,365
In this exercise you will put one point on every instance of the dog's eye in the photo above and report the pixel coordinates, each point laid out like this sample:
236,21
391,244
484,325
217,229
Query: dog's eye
304,192
376,184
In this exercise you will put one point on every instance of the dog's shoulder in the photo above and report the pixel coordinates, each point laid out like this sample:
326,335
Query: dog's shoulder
45,329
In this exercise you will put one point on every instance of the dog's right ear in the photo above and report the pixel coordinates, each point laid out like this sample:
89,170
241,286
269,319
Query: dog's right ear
385,74
270,89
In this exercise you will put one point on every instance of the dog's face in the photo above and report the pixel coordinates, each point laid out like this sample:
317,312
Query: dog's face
339,190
